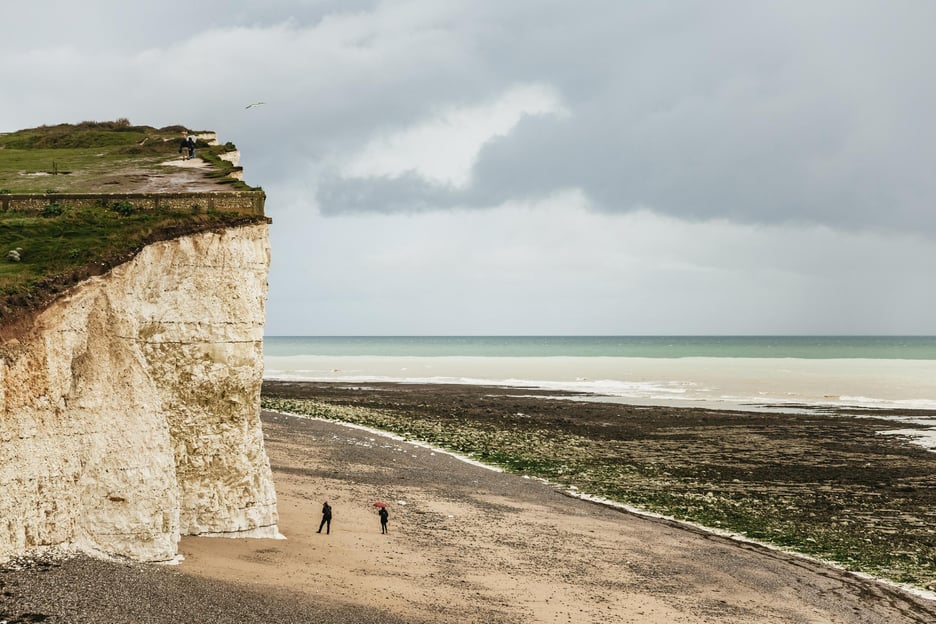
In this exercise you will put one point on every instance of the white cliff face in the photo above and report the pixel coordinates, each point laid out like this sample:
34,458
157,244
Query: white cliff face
130,413
232,157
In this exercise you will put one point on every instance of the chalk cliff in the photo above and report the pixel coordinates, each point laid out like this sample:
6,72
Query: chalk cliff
129,412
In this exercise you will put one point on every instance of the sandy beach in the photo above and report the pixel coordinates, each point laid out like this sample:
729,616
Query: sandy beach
465,544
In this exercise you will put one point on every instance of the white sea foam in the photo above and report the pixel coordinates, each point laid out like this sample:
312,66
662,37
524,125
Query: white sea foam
754,384
731,382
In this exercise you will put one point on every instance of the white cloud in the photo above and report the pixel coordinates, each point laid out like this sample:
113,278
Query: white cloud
443,150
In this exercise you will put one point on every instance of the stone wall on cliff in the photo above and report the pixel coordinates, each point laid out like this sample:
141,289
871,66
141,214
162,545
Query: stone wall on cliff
129,412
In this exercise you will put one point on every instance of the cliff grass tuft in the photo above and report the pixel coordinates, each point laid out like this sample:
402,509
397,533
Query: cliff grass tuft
222,169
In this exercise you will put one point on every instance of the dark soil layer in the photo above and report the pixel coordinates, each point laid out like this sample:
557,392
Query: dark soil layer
18,305
825,485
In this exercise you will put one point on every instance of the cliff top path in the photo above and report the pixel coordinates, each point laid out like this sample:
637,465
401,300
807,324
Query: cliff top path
114,157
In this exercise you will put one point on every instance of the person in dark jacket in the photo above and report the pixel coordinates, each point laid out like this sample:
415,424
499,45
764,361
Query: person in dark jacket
326,518
383,519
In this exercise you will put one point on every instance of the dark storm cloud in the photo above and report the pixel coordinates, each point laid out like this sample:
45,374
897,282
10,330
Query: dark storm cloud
759,113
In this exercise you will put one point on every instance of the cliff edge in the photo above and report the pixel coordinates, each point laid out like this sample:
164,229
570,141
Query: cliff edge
129,406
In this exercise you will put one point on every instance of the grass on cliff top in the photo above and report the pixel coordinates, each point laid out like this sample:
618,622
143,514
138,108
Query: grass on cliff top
61,246
77,158
42,254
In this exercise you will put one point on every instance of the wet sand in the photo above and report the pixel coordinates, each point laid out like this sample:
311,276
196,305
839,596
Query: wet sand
466,544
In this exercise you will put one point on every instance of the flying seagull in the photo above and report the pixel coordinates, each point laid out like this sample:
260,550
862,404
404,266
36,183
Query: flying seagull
254,104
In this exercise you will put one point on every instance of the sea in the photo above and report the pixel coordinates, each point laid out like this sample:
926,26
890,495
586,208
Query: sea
730,372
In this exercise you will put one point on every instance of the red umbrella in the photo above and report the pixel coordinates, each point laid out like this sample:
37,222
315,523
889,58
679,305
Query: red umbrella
380,504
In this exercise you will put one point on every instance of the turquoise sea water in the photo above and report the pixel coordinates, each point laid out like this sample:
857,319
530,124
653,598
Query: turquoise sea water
808,347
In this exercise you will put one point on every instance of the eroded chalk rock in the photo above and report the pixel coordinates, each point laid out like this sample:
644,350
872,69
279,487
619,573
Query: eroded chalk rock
129,414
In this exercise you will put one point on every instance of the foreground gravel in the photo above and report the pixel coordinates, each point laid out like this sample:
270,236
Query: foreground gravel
82,589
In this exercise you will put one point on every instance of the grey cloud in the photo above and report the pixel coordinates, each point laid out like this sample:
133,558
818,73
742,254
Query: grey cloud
117,24
407,193
756,113
732,164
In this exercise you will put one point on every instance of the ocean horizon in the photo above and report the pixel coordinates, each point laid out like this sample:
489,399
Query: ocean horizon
664,346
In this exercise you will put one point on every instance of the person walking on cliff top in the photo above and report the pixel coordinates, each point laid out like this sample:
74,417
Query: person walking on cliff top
191,146
184,148
326,519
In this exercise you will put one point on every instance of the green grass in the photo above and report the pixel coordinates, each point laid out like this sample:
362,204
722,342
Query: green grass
60,249
85,134
87,157
222,168
34,170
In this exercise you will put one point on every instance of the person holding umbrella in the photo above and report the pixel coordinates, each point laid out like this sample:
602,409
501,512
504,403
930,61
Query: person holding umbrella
382,512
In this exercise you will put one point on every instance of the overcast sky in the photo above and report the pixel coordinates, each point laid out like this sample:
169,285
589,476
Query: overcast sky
539,166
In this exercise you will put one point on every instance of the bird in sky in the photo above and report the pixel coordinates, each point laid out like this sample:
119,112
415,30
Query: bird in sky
254,104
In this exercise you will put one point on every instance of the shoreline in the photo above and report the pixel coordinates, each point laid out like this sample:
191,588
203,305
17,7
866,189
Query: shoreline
703,382
472,544
922,420
919,414
831,487
640,513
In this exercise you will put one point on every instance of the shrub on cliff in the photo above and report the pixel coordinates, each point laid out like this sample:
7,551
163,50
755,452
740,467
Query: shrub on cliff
51,210
67,136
